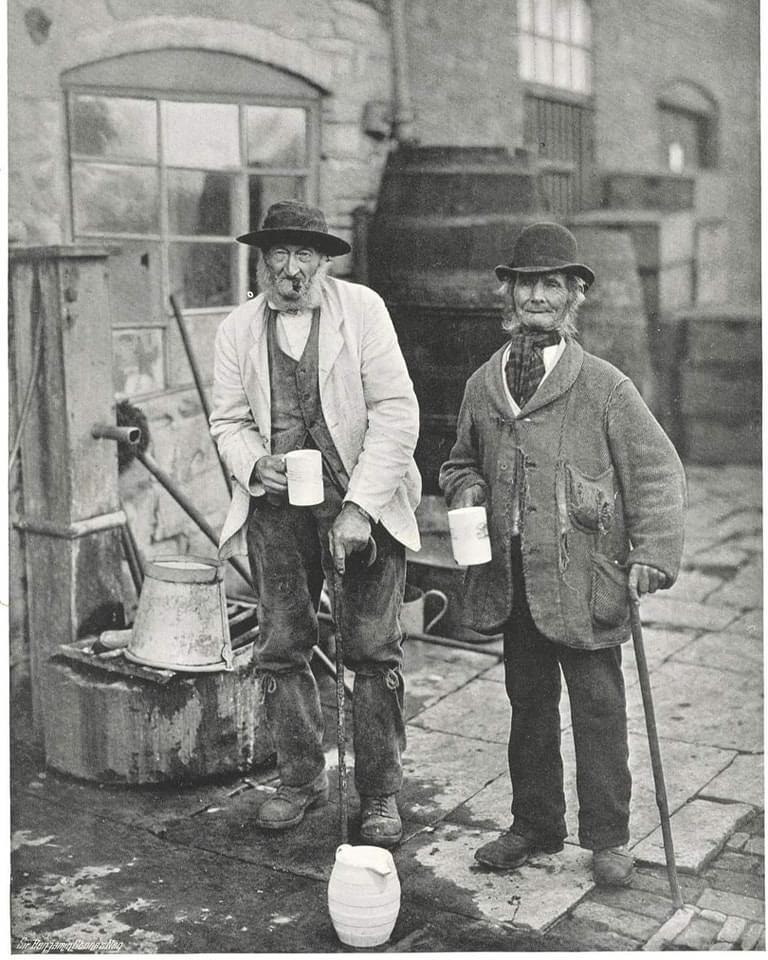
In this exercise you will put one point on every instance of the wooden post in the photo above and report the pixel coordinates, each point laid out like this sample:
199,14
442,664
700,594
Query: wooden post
71,515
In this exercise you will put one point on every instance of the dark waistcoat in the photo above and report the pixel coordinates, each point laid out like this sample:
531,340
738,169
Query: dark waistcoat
297,415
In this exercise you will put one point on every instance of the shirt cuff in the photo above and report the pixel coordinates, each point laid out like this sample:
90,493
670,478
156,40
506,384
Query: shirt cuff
360,510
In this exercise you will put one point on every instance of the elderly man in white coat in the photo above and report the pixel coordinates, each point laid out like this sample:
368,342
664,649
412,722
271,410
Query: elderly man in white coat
314,362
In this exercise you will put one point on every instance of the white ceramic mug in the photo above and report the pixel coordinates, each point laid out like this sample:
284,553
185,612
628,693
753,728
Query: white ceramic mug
469,535
304,470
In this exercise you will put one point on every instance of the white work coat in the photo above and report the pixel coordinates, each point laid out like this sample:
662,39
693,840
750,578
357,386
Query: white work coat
366,395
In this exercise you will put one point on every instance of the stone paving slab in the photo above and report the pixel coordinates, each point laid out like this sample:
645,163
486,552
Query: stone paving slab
480,709
740,652
440,868
742,781
442,770
707,555
732,904
693,584
745,591
684,696
699,831
666,608
659,644
624,922
687,768
431,673
750,623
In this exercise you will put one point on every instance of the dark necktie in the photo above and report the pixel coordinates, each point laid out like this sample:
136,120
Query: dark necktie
525,365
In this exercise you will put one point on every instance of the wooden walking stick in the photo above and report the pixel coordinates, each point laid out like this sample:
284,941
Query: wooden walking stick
337,587
341,734
653,746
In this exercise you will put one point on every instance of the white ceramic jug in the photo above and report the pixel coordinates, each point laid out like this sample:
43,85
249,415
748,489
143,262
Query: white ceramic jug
363,895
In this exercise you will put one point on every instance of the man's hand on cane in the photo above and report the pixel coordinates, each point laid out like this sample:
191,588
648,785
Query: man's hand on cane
350,533
644,579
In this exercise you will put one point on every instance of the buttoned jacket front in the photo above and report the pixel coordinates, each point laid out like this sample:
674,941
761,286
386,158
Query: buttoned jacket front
367,399
600,488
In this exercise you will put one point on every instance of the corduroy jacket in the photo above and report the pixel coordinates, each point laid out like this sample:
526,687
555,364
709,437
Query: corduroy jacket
599,486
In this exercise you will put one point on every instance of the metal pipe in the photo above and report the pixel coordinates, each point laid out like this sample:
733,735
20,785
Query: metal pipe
196,375
653,746
108,431
402,118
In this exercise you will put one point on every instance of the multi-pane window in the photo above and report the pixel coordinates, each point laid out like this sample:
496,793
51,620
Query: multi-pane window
184,176
555,43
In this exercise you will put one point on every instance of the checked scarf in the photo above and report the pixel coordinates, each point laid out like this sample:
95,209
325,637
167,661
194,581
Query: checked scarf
525,366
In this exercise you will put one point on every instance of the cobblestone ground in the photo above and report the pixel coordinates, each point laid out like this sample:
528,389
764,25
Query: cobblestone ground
724,906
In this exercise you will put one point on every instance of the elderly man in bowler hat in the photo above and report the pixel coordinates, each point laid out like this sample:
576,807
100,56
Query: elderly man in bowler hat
313,362
585,497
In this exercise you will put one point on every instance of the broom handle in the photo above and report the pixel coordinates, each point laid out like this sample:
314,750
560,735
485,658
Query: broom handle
653,746
197,377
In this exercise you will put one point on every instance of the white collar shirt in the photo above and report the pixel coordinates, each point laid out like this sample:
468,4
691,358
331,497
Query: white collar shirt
293,331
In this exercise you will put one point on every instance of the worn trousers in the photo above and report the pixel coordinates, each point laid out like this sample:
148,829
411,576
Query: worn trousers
532,666
289,556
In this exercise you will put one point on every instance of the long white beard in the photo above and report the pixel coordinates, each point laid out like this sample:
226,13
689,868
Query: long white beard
308,297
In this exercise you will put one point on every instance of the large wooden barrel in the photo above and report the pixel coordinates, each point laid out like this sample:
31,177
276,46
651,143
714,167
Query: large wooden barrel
445,217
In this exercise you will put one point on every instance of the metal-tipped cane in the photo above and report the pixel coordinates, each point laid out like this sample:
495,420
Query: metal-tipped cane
653,746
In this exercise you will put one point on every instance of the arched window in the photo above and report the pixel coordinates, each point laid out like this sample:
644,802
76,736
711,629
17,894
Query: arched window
172,153
687,128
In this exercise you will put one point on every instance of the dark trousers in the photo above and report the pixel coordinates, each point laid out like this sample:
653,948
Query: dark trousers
532,666
289,556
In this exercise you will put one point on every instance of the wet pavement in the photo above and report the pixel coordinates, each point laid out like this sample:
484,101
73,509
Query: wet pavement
98,868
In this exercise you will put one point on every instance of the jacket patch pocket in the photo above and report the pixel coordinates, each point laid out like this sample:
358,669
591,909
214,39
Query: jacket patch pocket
591,505
609,603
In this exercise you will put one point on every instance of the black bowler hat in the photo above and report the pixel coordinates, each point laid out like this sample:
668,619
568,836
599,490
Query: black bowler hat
293,221
544,248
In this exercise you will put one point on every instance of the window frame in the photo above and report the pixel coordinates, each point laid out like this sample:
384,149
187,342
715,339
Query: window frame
310,172
550,89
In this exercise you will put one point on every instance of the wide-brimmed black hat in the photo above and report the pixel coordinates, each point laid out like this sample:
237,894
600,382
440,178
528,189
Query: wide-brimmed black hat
293,221
543,248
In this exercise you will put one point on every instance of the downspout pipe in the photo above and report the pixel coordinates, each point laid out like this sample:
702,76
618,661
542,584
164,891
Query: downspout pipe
402,114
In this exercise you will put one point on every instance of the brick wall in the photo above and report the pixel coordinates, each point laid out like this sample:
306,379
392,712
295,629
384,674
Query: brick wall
462,59
640,49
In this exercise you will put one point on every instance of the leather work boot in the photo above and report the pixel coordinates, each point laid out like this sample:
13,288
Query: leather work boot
511,850
289,804
380,822
612,867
